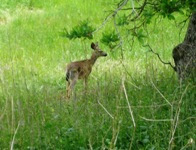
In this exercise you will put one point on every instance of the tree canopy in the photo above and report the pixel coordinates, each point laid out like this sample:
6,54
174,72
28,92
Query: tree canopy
141,13
135,16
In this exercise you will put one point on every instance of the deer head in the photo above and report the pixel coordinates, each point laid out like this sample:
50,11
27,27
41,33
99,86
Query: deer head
97,51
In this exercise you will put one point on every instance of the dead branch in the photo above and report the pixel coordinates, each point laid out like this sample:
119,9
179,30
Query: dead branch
105,109
130,110
156,120
13,138
176,118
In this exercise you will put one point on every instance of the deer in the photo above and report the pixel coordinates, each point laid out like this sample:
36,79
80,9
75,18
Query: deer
82,69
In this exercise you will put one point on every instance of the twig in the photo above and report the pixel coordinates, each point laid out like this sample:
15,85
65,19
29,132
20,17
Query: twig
189,118
130,110
137,87
13,139
119,36
4,111
156,120
105,109
183,23
176,119
129,106
90,145
117,135
166,63
160,93
133,6
149,106
140,10
190,142
112,15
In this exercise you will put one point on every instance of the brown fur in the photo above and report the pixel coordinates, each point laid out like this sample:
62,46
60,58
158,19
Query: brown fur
81,69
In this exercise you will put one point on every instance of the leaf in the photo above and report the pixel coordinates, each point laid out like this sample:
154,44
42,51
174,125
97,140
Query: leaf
82,30
140,35
122,20
170,17
110,39
148,14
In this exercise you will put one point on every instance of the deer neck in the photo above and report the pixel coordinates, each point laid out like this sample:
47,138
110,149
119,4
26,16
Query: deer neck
93,59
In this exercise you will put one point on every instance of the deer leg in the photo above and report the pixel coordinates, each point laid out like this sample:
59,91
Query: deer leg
72,84
68,90
85,85
70,87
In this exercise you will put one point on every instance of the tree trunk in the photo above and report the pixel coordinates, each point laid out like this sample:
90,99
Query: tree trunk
184,54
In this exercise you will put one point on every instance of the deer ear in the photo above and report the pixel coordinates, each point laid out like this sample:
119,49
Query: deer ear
93,45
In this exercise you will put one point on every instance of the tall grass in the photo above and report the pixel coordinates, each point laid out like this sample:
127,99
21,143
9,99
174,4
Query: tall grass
132,102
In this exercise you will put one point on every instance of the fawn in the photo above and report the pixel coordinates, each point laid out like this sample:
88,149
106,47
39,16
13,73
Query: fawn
82,69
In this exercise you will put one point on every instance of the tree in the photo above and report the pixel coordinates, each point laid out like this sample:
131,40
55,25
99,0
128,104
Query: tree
184,54
142,12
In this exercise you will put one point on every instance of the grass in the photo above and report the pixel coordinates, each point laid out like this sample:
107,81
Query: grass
34,113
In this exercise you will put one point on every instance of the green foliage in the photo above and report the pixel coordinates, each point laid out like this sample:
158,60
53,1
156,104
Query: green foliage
148,15
166,8
110,39
83,30
140,35
122,20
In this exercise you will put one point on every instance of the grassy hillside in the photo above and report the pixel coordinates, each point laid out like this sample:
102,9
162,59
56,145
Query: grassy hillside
133,101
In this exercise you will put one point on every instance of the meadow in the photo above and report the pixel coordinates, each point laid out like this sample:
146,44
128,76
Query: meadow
133,100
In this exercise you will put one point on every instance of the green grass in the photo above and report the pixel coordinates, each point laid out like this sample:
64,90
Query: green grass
34,113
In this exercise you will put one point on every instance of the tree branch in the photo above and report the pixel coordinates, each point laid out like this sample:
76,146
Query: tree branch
166,63
113,14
